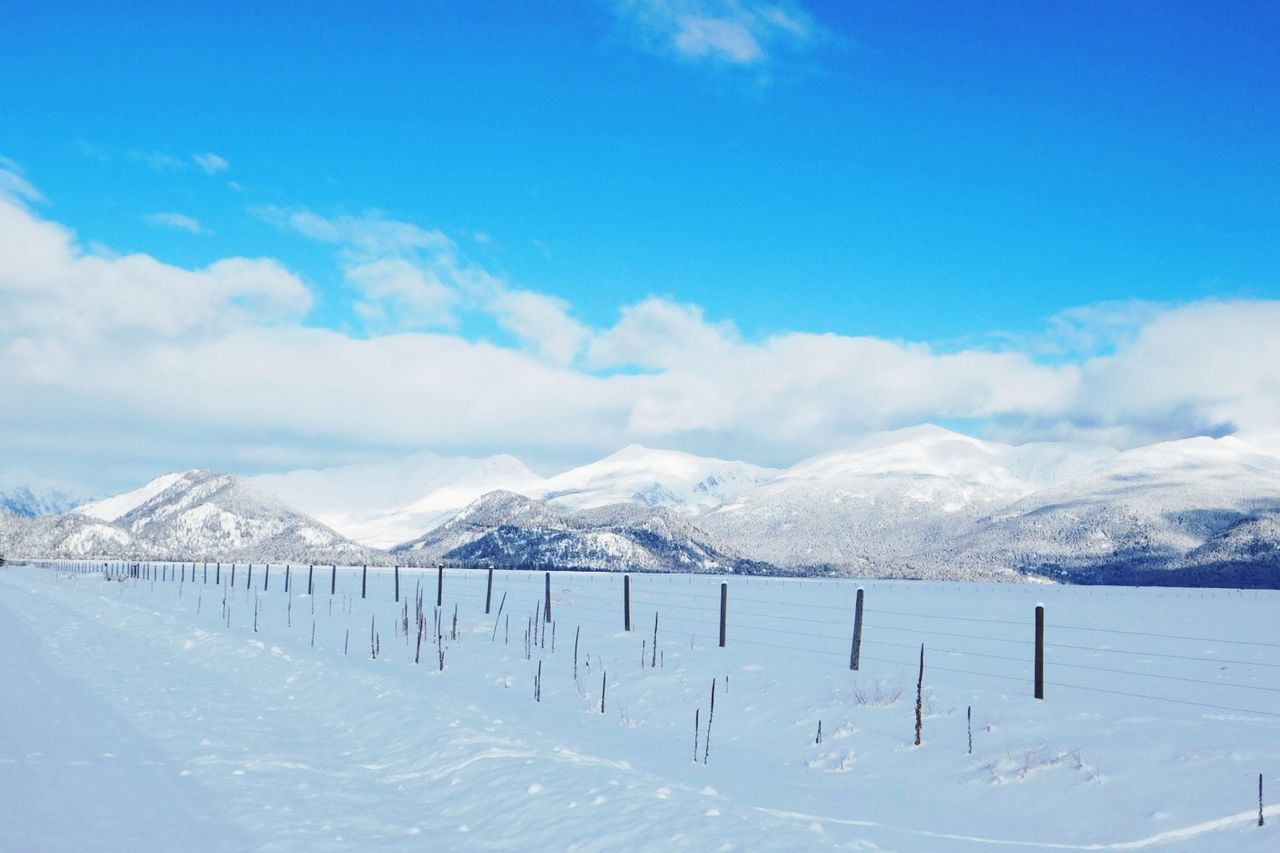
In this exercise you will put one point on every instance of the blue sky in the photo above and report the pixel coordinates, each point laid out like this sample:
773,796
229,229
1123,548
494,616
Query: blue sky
948,175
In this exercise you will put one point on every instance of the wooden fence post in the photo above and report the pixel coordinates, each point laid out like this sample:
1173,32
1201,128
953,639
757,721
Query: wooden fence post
364,580
1039,651
333,580
724,609
546,613
855,653
439,586
488,592
311,570
626,602
397,584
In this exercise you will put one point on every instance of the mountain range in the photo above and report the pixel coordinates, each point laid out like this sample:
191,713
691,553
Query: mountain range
25,494
918,502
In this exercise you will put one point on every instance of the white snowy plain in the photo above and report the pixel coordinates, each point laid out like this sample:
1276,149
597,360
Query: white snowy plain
138,715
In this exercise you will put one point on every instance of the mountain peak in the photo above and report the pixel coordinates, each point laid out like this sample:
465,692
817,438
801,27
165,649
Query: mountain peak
118,506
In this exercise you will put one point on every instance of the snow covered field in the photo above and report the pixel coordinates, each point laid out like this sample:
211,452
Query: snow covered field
143,715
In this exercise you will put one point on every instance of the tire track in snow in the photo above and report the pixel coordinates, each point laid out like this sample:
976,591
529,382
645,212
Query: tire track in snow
1182,834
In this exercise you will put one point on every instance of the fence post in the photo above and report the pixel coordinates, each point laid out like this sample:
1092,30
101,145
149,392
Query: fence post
439,586
364,580
724,608
333,580
488,592
311,570
266,580
1039,651
626,602
856,652
546,614
397,584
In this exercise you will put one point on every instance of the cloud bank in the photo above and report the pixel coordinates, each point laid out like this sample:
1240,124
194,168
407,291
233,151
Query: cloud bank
114,367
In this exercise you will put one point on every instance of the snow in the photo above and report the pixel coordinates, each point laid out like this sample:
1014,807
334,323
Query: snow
919,502
386,503
655,478
389,503
113,508
148,717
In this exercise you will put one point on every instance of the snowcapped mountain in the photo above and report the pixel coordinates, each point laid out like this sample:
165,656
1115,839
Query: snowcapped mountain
1171,506
223,516
189,515
506,530
29,495
919,502
888,497
641,475
116,506
386,503
383,504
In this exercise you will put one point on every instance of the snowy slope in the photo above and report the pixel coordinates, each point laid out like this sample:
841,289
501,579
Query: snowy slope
387,503
383,504
72,535
202,515
892,495
112,508
653,478
506,530
189,515
1156,507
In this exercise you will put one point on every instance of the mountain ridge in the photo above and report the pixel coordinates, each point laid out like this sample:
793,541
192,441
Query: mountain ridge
919,502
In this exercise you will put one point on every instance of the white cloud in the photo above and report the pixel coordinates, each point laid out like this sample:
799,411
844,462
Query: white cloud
54,293
210,163
125,363
176,221
395,288
542,322
730,32
660,333
410,277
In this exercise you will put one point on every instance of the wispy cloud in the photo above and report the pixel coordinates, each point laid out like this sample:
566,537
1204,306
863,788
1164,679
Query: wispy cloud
175,221
409,277
160,161
13,183
210,163
725,32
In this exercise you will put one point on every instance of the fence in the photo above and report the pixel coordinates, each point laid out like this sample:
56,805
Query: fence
1194,670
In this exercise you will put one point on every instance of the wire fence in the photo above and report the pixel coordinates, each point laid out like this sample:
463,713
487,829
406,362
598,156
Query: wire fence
805,626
